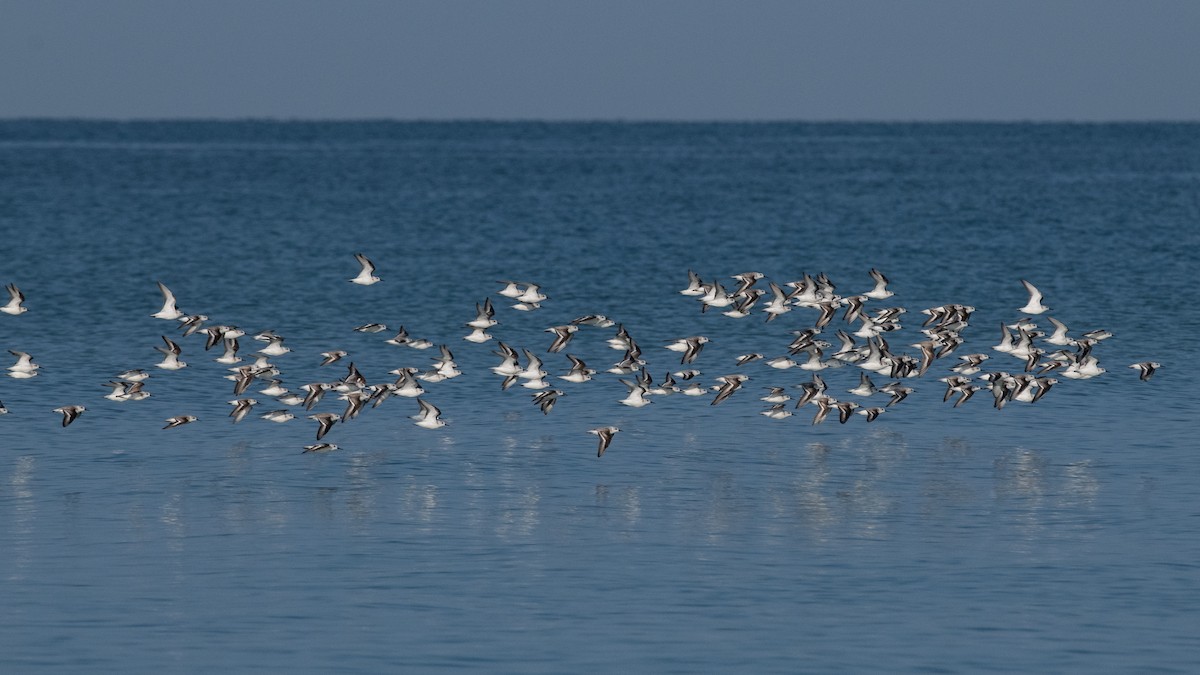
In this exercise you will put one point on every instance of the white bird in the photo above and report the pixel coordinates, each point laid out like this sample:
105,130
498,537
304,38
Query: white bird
133,392
546,399
242,378
562,335
135,375
637,395
192,324
126,391
332,356
509,365
444,366
597,320
777,412
319,447
1005,345
241,408
16,297
1147,369
781,363
291,399
278,416
845,409
532,295
325,422
118,391
70,413
824,405
777,395
880,291
1034,306
273,388
274,346
1059,336
606,435
170,356
230,355
366,276
865,386
778,303
695,285
814,361
579,371
483,315
729,384
169,311
403,339
429,417
477,335
690,346
179,420
24,364
355,400
214,334
1085,368
512,289
715,296
407,386
533,369
871,413
970,364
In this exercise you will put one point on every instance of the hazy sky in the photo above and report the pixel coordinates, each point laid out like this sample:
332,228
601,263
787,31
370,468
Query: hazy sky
611,59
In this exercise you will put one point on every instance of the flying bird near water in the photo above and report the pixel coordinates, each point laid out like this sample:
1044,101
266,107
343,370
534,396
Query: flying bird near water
429,416
546,399
70,413
880,292
483,316
241,408
366,276
16,297
729,384
24,367
690,346
562,335
169,311
606,435
331,356
179,420
170,355
325,422
1034,306
597,320
278,416
1147,369
579,372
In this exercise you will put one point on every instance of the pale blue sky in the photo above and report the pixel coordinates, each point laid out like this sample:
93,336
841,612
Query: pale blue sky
617,59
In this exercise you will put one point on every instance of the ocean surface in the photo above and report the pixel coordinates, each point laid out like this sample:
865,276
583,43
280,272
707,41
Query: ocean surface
1060,536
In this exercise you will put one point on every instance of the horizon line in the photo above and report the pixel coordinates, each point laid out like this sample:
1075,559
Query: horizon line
592,120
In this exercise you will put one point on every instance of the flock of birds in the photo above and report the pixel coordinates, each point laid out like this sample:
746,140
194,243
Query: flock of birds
1043,357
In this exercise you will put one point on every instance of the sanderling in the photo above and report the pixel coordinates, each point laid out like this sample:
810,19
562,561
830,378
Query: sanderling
366,276
606,435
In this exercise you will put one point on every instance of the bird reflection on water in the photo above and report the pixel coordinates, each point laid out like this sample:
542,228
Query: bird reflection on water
872,486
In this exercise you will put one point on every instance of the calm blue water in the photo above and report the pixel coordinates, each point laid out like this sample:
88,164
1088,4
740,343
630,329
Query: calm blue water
1054,537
